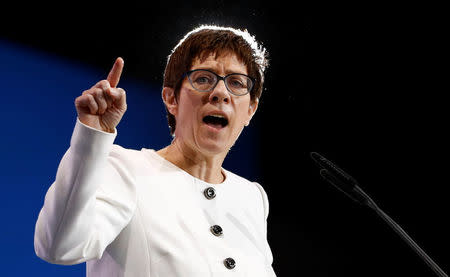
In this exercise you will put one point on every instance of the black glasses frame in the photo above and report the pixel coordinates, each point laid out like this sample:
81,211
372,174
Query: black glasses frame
188,74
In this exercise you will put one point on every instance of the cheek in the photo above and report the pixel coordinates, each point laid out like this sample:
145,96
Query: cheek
239,124
242,114
187,106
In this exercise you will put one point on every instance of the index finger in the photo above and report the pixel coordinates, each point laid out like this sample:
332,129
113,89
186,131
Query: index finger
116,71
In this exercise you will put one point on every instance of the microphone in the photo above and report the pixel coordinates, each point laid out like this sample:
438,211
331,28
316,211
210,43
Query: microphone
349,186
341,180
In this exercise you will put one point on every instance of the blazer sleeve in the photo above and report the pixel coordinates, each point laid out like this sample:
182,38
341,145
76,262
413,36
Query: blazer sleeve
91,200
265,204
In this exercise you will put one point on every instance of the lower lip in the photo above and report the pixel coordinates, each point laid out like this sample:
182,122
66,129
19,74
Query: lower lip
214,128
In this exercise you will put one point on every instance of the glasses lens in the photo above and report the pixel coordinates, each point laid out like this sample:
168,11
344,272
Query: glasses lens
239,84
202,80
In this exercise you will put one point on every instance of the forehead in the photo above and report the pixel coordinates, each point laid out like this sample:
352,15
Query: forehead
221,63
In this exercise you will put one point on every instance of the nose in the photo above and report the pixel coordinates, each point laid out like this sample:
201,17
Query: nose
219,93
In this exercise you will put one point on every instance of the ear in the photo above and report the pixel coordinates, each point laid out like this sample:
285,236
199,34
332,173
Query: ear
252,110
168,96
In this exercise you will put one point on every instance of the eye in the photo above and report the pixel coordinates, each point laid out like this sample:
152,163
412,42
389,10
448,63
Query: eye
202,80
237,82
203,77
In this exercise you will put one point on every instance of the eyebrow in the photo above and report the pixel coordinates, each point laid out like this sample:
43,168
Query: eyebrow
227,72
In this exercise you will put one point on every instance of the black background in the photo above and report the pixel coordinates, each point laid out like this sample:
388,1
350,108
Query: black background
359,84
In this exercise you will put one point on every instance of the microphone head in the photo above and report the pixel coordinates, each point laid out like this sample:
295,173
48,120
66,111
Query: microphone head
351,191
341,180
322,162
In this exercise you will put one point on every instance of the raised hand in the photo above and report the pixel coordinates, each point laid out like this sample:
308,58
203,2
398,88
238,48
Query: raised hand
103,105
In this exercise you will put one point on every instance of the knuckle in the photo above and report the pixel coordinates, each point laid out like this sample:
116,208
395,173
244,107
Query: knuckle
80,100
104,84
91,100
98,92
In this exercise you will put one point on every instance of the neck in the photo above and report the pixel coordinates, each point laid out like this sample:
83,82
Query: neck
204,167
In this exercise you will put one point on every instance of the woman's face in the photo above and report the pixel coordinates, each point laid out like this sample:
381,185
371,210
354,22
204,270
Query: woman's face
197,112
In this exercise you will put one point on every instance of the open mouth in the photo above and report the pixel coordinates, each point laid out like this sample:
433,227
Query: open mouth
216,121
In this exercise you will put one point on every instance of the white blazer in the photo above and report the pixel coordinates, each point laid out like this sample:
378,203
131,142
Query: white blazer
132,213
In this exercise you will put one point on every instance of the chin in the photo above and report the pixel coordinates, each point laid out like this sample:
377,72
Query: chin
213,148
215,143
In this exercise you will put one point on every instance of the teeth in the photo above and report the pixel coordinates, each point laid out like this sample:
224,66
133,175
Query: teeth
217,115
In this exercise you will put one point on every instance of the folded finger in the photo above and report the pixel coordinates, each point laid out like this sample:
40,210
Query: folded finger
99,96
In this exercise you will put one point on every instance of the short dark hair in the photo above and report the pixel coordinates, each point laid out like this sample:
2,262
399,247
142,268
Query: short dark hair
206,40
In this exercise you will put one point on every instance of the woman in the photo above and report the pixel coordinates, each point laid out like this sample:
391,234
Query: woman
175,211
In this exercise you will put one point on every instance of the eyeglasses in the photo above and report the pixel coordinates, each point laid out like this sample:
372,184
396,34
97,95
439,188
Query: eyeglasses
204,80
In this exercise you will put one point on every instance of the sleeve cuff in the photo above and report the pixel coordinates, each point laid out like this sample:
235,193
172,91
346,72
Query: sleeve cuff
88,139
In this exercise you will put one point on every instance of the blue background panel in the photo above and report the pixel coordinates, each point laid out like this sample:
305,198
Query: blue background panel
37,120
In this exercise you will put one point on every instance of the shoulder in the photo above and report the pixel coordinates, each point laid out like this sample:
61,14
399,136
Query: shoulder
235,179
124,154
253,188
143,162
131,159
120,151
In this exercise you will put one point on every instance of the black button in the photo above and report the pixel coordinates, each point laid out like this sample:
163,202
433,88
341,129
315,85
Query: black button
209,193
216,230
229,263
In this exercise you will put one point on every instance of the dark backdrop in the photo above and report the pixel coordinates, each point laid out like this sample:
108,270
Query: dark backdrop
358,84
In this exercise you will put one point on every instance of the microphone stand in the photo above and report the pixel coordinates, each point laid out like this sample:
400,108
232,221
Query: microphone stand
414,246
349,186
